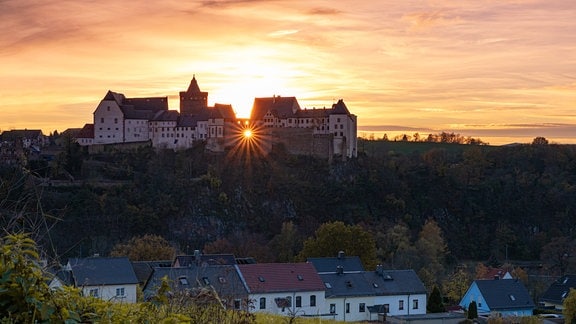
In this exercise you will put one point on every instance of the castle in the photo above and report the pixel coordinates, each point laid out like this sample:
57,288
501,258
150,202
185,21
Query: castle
322,132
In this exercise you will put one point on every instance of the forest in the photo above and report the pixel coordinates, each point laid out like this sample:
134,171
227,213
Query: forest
490,204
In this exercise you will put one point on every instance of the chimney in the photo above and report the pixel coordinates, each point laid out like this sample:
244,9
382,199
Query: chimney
197,256
380,270
341,255
339,270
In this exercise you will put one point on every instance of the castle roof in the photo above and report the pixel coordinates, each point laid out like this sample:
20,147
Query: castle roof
282,107
193,87
340,108
86,132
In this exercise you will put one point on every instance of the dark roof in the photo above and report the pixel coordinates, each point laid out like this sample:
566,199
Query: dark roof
102,271
280,277
559,289
86,132
340,108
313,113
144,269
372,283
166,115
223,278
21,133
189,120
225,111
205,259
504,294
330,265
138,108
282,107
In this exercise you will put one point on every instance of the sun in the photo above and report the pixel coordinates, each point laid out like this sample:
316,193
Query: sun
247,133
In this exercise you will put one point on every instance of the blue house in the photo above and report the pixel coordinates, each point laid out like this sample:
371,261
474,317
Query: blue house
506,297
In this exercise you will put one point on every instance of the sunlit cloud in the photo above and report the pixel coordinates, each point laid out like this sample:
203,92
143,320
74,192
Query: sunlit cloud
426,65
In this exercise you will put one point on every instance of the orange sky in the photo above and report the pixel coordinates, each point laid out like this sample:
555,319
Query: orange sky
499,70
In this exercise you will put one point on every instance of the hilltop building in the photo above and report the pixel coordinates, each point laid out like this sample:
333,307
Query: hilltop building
322,132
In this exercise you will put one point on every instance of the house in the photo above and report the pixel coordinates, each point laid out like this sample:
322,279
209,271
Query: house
106,278
558,290
333,264
21,145
145,269
224,280
495,273
505,297
368,295
291,289
85,136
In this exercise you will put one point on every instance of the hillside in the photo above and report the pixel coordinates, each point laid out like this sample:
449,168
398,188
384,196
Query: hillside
491,203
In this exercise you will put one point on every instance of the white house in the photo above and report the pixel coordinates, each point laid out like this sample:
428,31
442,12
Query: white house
366,295
106,278
290,289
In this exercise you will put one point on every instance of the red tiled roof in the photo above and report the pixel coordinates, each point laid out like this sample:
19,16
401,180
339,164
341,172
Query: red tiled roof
281,277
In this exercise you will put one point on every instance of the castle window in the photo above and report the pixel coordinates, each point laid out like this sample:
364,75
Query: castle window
341,126
108,108
115,120
102,120
338,120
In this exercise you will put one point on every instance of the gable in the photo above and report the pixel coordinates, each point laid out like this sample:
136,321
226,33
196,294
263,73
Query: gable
504,294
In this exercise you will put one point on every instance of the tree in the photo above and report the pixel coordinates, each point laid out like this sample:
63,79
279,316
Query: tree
472,310
435,304
558,252
330,238
540,141
145,248
569,305
456,285
287,243
432,249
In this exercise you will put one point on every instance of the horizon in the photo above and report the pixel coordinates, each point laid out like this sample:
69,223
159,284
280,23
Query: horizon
502,72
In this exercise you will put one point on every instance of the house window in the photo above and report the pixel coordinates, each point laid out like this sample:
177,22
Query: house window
236,303
400,304
347,307
262,303
289,301
361,307
94,292
183,281
312,300
415,304
386,308
332,308
119,291
298,301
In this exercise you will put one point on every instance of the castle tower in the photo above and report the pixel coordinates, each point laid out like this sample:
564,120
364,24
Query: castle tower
193,101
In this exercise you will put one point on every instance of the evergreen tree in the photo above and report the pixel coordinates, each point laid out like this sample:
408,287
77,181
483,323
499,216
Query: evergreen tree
472,310
435,304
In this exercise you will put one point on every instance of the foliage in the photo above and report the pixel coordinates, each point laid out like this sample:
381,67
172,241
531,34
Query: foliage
435,304
472,310
569,305
145,248
287,243
330,238
456,285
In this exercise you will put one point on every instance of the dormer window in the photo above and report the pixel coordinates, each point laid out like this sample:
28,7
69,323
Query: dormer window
261,279
183,281
206,281
300,278
512,298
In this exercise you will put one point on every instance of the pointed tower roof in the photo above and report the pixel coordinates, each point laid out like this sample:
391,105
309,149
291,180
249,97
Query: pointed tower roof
193,87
